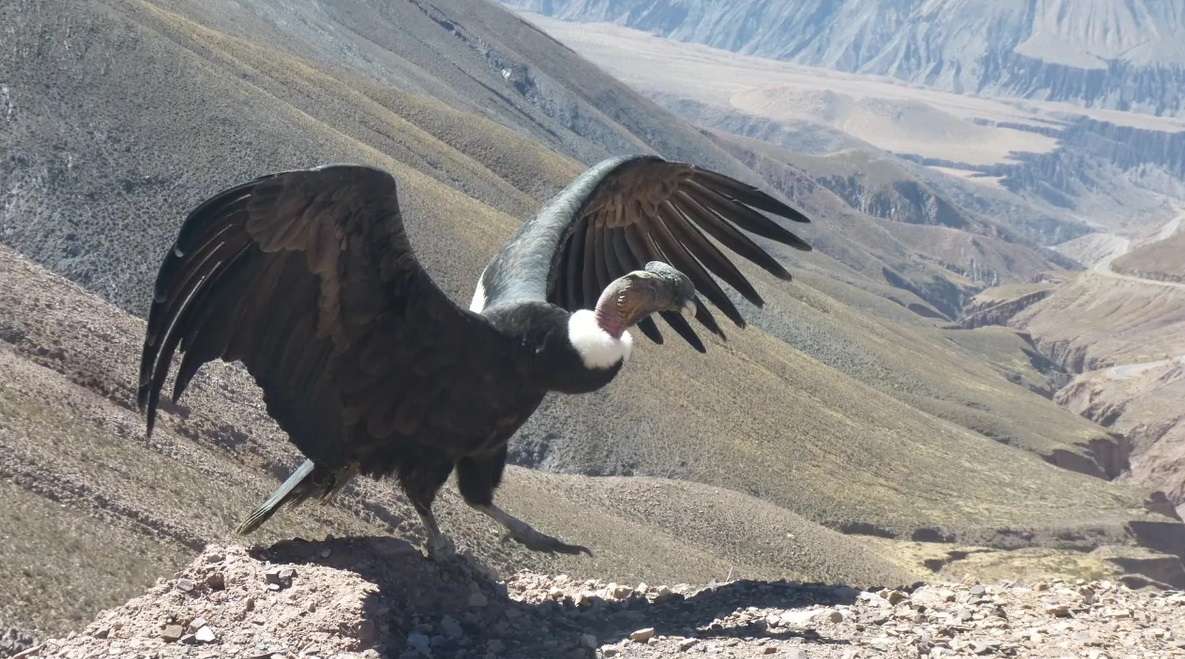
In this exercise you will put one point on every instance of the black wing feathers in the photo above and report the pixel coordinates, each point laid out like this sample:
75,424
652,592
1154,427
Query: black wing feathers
308,278
622,213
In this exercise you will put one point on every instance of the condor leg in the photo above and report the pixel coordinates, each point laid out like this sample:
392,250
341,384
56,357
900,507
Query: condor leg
421,480
477,478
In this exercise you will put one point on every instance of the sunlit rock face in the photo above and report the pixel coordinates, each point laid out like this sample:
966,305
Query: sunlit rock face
1098,53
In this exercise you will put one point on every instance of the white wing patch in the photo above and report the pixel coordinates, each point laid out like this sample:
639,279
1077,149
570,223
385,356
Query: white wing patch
598,349
478,304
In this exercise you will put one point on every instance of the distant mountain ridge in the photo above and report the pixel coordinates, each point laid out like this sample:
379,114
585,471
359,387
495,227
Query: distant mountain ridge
1097,53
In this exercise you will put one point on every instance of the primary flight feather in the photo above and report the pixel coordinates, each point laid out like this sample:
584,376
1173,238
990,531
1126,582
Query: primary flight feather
307,277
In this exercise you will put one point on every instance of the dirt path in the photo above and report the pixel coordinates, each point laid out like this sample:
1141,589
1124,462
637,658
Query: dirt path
1127,371
1103,267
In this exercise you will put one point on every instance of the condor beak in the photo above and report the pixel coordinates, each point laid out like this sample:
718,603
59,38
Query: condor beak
688,310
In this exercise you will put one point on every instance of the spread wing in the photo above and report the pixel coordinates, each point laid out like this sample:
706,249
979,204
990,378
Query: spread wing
625,212
307,277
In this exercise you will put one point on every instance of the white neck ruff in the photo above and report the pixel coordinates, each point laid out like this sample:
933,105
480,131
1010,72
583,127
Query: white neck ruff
598,349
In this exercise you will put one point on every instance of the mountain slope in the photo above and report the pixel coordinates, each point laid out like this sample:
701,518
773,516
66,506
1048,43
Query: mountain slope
1045,170
1161,260
97,191
1096,53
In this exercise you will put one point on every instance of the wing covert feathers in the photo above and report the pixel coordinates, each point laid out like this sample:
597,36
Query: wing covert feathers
624,213
307,277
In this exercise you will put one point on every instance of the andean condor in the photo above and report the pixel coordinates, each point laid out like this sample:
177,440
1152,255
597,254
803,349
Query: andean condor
308,278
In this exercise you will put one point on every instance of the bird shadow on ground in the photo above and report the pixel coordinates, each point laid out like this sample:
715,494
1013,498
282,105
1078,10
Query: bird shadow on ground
459,608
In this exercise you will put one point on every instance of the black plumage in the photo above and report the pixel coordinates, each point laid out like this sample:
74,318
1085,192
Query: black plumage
308,278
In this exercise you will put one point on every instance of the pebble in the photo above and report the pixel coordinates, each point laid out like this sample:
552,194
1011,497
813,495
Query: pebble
281,577
172,633
451,627
663,594
796,618
196,624
617,592
184,585
419,643
216,581
1058,610
642,635
205,635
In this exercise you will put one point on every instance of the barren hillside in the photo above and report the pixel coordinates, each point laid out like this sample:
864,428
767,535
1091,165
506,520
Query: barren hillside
967,190
1119,338
1042,168
1089,52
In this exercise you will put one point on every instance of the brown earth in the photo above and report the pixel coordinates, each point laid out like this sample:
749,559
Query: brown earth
372,597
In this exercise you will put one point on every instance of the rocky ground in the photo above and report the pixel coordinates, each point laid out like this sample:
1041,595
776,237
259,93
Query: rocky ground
375,597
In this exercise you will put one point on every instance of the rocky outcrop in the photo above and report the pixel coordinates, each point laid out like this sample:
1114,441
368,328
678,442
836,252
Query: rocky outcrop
1089,150
992,311
1142,403
371,597
901,200
1110,458
1112,173
1091,52
13,641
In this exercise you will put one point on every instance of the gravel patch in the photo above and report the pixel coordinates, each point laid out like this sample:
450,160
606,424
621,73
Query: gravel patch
378,597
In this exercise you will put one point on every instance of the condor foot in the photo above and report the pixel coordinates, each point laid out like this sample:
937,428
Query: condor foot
441,548
534,540
526,535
